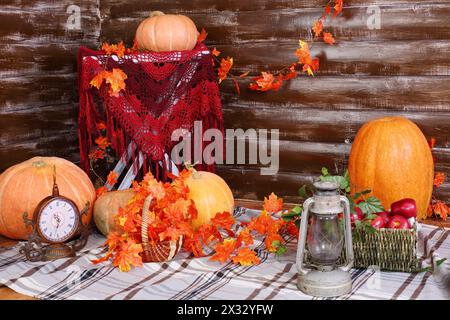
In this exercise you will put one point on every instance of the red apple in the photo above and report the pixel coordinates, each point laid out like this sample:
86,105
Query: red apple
405,207
378,222
385,216
357,215
398,222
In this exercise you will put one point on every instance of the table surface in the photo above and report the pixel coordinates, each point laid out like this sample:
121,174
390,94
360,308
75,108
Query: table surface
9,294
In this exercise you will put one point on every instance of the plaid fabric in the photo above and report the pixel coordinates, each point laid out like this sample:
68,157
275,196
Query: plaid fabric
186,277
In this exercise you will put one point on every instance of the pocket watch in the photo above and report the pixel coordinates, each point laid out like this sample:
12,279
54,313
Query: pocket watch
55,222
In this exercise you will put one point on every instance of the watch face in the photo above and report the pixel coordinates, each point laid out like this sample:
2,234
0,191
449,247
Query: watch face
58,220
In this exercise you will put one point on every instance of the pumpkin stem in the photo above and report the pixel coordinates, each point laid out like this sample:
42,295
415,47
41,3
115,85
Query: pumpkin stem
191,168
156,13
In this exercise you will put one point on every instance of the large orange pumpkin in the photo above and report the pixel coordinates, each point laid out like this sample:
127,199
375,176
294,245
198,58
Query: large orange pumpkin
210,194
391,157
24,185
166,32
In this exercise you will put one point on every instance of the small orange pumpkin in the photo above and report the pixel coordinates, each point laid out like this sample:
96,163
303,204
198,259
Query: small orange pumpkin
107,206
210,194
391,157
166,32
24,185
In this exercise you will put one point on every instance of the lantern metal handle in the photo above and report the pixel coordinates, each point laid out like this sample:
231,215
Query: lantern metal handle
302,237
348,235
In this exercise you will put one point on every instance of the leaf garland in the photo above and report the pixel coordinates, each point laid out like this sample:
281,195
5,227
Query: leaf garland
272,81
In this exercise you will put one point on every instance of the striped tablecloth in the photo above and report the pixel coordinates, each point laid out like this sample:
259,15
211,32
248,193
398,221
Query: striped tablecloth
198,278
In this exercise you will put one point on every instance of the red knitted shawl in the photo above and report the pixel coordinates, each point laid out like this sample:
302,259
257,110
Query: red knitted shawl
164,91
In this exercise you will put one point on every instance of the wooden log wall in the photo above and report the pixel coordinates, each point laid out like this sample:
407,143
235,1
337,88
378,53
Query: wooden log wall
402,68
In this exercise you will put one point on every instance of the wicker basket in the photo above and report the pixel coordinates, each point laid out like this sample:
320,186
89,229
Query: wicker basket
389,249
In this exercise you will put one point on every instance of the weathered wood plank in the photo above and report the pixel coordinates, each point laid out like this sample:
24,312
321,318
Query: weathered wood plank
247,183
378,58
407,21
45,131
299,123
422,93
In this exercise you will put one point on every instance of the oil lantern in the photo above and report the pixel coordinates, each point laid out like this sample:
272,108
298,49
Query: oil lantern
321,242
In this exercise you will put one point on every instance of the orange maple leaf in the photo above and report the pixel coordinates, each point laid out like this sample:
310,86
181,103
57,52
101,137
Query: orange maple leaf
101,126
192,244
225,67
245,237
263,82
112,178
116,79
202,36
117,49
208,232
215,52
441,209
338,4
439,179
223,220
98,79
318,28
100,191
261,223
273,204
328,38
102,142
128,256
223,250
171,233
246,257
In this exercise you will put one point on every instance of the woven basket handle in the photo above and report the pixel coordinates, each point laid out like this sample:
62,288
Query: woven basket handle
144,226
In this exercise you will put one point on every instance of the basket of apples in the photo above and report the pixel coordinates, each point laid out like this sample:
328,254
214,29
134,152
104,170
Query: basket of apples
387,239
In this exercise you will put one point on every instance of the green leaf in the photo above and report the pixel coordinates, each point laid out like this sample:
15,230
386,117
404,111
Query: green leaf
366,192
339,180
356,196
304,192
281,250
370,205
324,171
297,223
371,216
297,209
440,261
